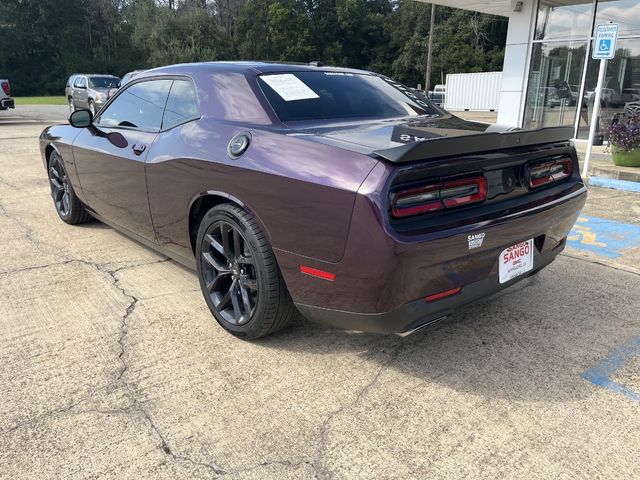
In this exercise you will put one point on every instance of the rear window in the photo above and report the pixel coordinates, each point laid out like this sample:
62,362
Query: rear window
103,82
298,96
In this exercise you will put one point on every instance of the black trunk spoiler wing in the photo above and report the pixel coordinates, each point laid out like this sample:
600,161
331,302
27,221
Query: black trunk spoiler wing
474,143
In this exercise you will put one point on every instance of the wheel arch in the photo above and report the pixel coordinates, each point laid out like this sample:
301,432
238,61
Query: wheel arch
49,149
204,202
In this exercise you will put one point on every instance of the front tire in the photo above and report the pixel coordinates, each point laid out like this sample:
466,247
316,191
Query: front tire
68,207
239,276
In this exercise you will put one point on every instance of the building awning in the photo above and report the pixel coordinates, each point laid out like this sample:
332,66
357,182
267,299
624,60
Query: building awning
495,7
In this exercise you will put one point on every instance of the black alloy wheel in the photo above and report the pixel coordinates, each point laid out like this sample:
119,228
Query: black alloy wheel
68,206
59,182
229,273
239,275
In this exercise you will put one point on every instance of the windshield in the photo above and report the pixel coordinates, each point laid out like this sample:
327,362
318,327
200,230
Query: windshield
103,82
337,95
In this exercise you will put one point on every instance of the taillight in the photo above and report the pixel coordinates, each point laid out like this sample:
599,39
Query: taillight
439,196
6,88
549,172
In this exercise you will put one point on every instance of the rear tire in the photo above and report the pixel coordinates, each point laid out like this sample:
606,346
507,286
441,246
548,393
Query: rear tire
92,108
69,208
72,106
239,276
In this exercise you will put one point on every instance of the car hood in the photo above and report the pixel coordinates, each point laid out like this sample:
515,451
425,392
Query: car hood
369,136
101,89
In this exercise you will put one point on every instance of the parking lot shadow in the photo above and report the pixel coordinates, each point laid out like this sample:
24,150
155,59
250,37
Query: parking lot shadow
530,342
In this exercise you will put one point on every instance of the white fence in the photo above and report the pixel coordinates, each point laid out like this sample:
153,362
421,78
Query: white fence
473,91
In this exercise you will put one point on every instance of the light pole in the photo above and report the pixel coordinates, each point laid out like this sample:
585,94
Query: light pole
427,73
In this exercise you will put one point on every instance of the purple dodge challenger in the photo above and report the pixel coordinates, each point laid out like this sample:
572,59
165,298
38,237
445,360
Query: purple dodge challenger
336,192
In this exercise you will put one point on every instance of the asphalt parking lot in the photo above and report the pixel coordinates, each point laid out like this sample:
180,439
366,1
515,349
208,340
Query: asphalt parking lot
112,366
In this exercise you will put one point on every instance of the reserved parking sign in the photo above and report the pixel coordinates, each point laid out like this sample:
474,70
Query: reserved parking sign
605,41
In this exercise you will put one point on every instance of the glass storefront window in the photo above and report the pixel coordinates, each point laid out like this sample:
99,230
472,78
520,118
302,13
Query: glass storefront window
625,13
621,86
568,19
554,84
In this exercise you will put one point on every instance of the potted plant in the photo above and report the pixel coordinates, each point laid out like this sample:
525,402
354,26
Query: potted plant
624,136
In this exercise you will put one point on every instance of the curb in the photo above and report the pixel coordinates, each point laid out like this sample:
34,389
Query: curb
604,182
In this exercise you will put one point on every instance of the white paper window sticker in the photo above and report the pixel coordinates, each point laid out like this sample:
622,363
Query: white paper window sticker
289,87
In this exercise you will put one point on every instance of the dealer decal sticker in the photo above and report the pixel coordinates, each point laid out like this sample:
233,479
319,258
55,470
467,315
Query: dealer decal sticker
475,241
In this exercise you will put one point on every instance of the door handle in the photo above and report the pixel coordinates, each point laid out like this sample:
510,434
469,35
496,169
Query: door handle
138,148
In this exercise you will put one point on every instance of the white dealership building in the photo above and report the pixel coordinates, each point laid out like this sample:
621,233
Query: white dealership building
548,76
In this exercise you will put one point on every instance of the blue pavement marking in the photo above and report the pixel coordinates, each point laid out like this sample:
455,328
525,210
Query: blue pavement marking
613,183
602,236
599,374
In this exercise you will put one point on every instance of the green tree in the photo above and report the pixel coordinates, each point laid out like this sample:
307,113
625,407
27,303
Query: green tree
43,41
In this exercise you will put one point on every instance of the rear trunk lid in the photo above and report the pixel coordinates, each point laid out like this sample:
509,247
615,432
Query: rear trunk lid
424,138
446,171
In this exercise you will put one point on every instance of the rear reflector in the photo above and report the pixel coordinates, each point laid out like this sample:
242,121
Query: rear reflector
6,88
314,272
439,196
549,172
445,294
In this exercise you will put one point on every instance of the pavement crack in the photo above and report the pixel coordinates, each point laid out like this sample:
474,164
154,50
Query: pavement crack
129,389
58,411
318,463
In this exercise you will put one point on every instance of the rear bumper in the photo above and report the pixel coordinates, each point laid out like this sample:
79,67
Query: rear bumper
7,103
419,313
381,281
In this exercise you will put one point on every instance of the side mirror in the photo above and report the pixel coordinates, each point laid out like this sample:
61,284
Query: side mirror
80,118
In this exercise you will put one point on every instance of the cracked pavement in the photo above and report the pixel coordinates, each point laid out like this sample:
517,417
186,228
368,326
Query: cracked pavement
112,367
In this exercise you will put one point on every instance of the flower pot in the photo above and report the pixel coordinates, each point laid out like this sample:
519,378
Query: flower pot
626,159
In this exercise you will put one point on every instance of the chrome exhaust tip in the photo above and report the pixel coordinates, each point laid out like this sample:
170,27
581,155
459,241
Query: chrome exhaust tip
420,327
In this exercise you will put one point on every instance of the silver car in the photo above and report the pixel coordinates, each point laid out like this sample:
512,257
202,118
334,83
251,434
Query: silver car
89,91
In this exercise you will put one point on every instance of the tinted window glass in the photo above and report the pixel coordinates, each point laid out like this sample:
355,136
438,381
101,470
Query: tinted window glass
80,82
554,84
563,19
625,13
103,82
139,106
323,95
182,104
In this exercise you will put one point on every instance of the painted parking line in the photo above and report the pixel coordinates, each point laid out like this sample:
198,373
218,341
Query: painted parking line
603,237
601,372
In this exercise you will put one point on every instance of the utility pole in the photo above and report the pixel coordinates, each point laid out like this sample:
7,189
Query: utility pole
427,73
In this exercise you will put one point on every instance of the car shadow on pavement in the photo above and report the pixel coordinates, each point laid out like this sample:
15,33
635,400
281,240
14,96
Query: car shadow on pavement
530,342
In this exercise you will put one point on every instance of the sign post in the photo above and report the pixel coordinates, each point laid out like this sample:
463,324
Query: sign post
604,48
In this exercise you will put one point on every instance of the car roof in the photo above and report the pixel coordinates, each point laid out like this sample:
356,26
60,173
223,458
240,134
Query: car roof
93,75
256,67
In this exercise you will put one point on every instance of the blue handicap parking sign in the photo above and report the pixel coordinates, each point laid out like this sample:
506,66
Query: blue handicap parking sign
604,46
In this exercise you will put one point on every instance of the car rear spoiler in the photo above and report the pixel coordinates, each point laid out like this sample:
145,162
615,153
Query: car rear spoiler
474,143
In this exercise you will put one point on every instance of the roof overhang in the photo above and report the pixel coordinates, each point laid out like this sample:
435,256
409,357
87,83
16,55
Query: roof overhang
495,7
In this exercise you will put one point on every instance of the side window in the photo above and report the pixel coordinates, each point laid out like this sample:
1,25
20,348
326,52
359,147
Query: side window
139,106
80,82
182,104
